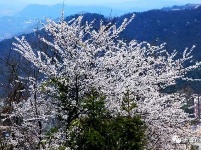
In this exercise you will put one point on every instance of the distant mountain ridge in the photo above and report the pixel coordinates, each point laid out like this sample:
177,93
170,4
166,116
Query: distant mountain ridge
182,7
31,16
54,11
28,18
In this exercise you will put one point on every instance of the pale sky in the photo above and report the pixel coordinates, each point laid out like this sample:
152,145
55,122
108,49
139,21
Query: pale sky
104,2
8,6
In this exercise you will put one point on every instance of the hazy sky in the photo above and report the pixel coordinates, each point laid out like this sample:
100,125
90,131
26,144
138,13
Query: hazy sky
105,2
11,6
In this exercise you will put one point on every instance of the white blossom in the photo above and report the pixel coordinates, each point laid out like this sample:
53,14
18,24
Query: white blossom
98,59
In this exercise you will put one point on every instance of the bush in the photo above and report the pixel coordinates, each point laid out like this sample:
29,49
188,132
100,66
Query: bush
100,130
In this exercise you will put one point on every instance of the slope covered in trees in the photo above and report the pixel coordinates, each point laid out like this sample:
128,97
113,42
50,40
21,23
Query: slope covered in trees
179,29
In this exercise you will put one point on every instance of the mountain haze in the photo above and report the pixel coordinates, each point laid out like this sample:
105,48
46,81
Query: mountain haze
29,17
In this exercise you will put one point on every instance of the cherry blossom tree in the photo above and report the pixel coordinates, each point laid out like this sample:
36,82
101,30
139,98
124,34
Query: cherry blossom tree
82,59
